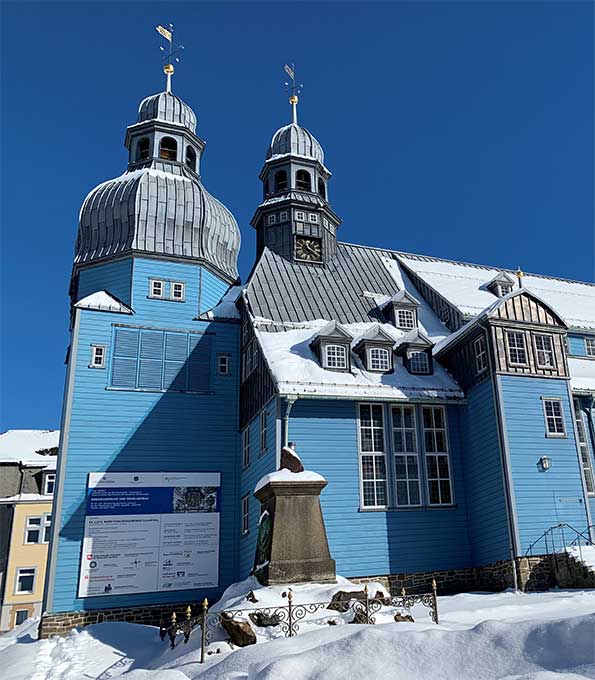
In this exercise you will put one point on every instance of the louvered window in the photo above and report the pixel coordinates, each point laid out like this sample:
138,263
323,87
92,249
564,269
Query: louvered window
161,360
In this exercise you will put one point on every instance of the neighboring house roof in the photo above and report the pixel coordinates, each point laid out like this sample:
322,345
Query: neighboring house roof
296,369
464,286
23,446
582,375
102,301
226,308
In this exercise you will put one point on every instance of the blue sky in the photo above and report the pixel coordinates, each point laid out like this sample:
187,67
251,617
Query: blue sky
463,130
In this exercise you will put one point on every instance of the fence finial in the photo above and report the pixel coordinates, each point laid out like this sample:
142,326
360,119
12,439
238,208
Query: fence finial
173,617
205,603
402,592
434,584
289,595
366,590
188,612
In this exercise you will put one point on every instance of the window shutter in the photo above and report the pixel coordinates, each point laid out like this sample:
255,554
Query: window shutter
151,359
199,363
174,372
125,360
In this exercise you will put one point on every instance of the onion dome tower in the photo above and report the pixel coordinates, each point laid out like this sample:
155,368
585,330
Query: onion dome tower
295,219
159,206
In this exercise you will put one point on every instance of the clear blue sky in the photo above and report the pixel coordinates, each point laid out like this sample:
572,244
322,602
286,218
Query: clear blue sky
458,129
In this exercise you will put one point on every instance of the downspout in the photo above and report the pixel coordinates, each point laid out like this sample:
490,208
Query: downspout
592,432
290,402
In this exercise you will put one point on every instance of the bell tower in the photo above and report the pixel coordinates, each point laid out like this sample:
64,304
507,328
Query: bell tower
295,219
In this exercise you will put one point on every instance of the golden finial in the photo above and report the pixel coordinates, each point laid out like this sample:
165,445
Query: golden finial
519,274
188,612
433,584
205,603
366,590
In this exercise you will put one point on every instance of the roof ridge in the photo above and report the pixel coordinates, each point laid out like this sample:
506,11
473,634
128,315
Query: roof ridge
433,258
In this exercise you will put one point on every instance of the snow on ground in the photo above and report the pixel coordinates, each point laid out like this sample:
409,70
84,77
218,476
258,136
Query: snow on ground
510,635
584,554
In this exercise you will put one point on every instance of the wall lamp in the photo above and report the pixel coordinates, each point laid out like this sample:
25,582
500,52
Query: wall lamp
545,463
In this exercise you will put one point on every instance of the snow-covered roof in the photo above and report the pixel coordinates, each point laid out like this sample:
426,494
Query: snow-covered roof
21,446
226,307
296,369
102,301
464,286
582,375
27,498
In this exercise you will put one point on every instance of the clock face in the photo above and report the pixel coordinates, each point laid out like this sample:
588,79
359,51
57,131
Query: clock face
308,249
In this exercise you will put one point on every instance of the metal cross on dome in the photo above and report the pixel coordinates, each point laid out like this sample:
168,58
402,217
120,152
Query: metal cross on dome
294,88
171,53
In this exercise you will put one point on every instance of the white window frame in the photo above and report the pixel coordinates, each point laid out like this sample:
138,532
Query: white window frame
245,514
376,455
379,356
590,347
405,319
246,447
182,287
481,355
271,219
423,364
407,453
98,351
437,454
49,477
17,590
283,216
152,293
540,352
339,361
585,454
300,216
262,431
504,289
223,364
46,528
555,434
313,218
33,523
510,349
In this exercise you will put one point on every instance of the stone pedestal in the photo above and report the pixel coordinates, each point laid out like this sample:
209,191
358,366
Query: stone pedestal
292,545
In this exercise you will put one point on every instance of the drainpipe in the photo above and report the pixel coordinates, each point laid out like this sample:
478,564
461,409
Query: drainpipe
290,402
592,429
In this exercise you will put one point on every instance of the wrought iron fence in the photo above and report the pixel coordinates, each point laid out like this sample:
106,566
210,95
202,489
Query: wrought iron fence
289,617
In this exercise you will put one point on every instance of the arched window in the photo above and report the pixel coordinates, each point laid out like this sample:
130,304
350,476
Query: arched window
191,158
168,149
266,188
303,181
142,149
280,181
321,188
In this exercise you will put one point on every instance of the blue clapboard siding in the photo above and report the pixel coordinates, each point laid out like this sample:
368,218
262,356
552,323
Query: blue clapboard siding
543,499
576,344
124,430
484,484
116,277
212,290
261,463
376,542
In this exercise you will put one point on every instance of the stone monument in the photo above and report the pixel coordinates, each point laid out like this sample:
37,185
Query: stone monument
292,546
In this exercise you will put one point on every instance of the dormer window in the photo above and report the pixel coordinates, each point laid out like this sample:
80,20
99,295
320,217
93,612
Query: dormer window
504,289
142,149
335,356
502,284
191,158
303,181
419,362
379,359
168,149
405,318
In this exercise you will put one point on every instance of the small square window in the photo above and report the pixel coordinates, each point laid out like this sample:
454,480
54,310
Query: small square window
283,216
300,216
504,289
25,581
405,318
49,482
271,219
223,364
21,616
335,356
313,217
156,288
97,356
379,359
517,351
419,362
33,530
590,347
177,290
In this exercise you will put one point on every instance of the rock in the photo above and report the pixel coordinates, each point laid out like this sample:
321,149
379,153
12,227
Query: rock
332,622
359,616
290,460
240,632
402,618
251,597
340,600
263,620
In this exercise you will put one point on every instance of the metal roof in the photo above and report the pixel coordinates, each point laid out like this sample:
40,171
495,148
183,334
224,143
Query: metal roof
166,107
296,140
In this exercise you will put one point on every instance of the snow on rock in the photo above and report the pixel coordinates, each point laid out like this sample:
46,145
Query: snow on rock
288,476
582,374
21,446
102,301
296,368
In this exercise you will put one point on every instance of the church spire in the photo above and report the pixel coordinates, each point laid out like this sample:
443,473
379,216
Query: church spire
294,90
170,56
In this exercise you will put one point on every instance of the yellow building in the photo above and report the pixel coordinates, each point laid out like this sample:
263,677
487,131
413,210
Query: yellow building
27,480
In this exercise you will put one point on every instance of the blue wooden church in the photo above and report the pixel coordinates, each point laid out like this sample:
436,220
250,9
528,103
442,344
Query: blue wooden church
449,405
